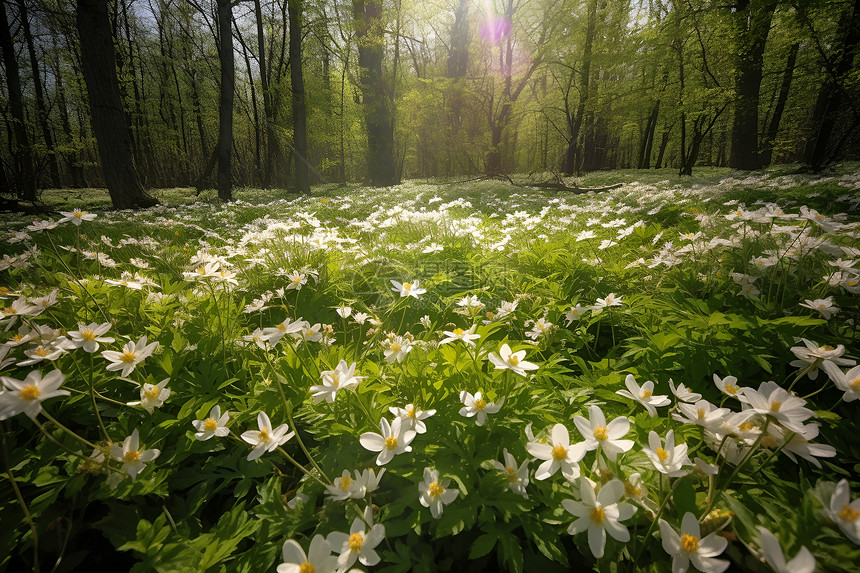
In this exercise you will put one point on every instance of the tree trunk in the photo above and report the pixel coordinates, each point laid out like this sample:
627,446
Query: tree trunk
752,22
576,153
41,109
22,153
378,113
782,98
225,107
829,100
297,83
271,139
108,120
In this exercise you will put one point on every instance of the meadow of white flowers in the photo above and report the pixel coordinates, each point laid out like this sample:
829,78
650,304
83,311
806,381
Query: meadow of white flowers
439,378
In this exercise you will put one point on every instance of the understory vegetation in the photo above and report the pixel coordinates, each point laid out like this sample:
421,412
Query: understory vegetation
437,377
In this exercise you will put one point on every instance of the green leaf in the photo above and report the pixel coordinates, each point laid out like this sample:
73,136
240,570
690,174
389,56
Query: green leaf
482,545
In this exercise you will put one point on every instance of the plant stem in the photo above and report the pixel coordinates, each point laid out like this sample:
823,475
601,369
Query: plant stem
22,503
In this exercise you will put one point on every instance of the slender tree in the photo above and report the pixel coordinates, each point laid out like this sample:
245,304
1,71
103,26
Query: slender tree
108,119
225,105
297,82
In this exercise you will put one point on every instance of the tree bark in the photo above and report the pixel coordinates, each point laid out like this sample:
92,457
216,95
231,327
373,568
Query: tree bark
829,101
378,113
108,120
22,152
297,82
225,105
782,98
271,139
752,23
574,154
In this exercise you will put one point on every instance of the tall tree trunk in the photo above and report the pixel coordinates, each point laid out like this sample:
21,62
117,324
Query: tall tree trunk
378,114
108,120
297,82
782,98
256,117
830,97
22,153
225,105
271,139
41,109
752,23
575,150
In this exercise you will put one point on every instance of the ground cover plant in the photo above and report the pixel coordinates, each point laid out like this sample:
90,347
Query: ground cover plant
438,377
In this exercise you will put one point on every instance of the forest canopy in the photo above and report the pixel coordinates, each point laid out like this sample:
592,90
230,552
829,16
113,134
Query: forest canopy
380,91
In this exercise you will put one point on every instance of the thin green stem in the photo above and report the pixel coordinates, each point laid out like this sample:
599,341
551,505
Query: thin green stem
22,503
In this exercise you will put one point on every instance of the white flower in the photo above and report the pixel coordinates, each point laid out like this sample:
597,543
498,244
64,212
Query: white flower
540,328
848,382
517,478
691,547
771,400
557,454
266,439
414,416
702,413
425,321
668,460
273,334
393,439
345,487
467,336
397,348
824,306
358,545
342,377
810,356
803,562
844,512
132,354
76,216
477,405
644,395
49,352
360,317
317,560
88,336
310,333
343,311
434,493
27,395
599,434
507,360
214,425
408,289
152,396
683,393
610,300
600,513
576,312
297,280
728,385
132,457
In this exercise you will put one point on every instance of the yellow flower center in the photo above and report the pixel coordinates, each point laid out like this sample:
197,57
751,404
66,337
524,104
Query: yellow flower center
459,331
79,214
264,435
355,542
152,393
201,271
747,427
740,214
631,490
407,286
480,404
511,474
40,351
335,379
435,489
30,392
282,327
689,543
662,455
131,456
345,482
390,442
559,452
127,357
88,335
732,389
597,515
775,406
410,411
395,347
855,384
513,360
306,567
646,394
848,514
701,413
600,433
210,424
17,337
826,348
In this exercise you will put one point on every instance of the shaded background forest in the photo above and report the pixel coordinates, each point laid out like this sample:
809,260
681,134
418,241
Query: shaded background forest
382,90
